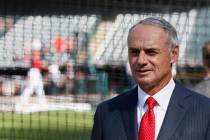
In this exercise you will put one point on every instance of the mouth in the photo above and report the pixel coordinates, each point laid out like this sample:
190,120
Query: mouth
143,72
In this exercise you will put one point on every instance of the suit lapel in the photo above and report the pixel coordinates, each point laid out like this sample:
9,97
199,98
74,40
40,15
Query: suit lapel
174,114
129,115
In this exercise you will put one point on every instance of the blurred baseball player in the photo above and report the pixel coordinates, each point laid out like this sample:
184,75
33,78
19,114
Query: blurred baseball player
34,81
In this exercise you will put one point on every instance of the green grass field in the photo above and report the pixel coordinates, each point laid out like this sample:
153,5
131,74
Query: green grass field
60,125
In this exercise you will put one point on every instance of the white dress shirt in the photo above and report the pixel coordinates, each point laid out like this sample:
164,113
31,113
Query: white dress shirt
162,97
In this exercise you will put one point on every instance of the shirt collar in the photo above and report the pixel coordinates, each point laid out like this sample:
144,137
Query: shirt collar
162,97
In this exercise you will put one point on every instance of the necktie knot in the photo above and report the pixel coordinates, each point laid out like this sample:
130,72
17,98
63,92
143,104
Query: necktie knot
151,102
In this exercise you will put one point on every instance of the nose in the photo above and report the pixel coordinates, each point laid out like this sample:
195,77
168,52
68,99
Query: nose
142,58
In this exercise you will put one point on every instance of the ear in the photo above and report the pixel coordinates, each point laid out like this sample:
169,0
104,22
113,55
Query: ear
174,54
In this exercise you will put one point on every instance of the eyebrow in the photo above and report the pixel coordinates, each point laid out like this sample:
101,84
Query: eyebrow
153,49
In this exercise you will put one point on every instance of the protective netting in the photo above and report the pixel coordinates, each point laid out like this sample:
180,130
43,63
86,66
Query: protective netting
82,48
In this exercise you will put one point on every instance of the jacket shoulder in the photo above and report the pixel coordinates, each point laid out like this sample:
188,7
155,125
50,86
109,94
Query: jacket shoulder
122,101
194,98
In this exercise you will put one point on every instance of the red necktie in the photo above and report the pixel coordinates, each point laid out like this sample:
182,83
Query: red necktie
147,125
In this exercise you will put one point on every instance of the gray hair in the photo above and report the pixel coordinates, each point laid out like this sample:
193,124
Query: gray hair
168,28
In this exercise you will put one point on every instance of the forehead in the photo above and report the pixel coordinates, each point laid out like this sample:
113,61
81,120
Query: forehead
147,35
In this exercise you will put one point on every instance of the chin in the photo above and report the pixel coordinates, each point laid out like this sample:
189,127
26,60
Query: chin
145,83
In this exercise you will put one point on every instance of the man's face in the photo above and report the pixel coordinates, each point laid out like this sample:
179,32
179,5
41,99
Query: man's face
150,58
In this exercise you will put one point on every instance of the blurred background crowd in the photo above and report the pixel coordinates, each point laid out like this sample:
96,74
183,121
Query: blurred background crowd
83,54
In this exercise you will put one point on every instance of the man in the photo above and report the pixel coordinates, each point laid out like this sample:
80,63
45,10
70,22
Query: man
34,81
203,87
174,112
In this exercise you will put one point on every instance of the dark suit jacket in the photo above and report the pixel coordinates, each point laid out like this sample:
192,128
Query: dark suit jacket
187,117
